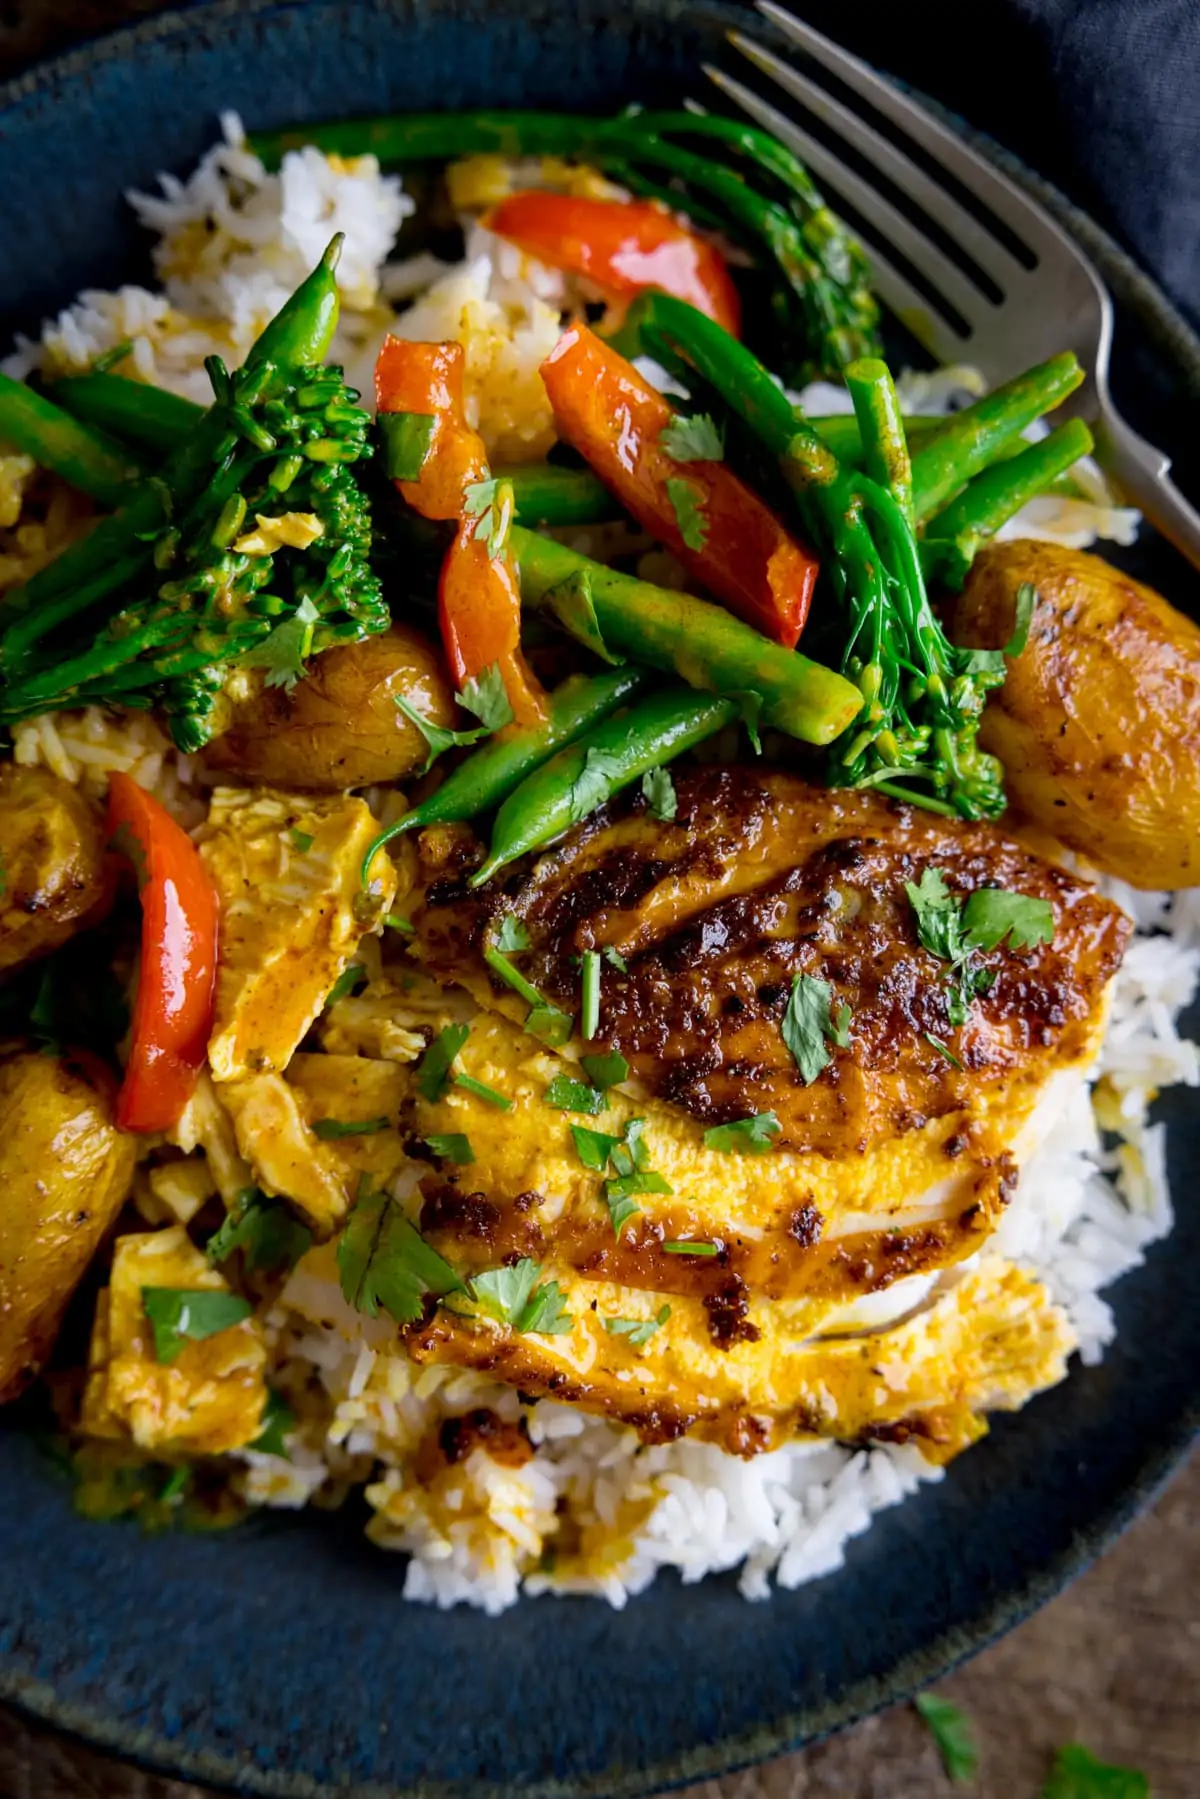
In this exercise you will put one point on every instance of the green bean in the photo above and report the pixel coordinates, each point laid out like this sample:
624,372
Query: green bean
701,643
134,411
491,773
588,772
85,458
950,544
546,495
971,439
885,448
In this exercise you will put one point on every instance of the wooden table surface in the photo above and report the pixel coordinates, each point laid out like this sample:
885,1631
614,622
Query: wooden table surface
1114,1662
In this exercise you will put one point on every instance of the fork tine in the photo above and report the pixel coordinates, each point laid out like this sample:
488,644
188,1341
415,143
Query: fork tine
1023,216
979,243
945,276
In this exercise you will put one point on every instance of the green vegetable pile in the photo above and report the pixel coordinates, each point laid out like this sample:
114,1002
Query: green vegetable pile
194,574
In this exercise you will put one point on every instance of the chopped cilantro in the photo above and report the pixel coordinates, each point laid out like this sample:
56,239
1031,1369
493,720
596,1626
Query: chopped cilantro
695,439
383,1260
284,651
615,959
991,914
687,503
808,1026
549,1025
688,1246
574,1096
344,986
512,977
394,922
1077,1774
746,1136
593,1147
437,739
750,705
572,602
407,438
589,1012
487,697
451,1147
492,504
267,1232
605,1071
513,1297
433,1070
303,840
512,937
939,915
330,1129
482,1091
182,1315
992,662
954,930
638,1330
594,782
658,790
951,1731
943,1049
277,1421
620,1209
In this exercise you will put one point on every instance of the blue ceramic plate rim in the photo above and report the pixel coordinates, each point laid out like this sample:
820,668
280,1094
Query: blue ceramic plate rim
1137,293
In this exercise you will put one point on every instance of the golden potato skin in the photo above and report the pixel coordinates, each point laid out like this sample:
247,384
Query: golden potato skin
1098,722
340,727
64,1171
52,857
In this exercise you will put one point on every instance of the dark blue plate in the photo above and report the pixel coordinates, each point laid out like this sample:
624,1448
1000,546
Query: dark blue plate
279,1658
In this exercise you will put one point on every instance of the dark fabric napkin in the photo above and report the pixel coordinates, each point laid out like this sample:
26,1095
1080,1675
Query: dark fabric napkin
1102,97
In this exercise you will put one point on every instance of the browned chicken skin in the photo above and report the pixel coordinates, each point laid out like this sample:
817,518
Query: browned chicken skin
1098,721
52,858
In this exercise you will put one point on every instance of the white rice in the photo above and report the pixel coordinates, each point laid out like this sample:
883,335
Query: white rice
233,242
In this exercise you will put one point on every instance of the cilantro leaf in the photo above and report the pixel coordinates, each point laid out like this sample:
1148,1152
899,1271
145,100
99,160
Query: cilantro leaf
394,922
951,1731
638,1180
593,1147
452,1146
303,840
182,1315
605,1071
549,1025
594,783
267,1232
407,438
994,662
659,791
512,977
347,981
433,1070
513,1297
487,697
277,1420
620,1209
687,503
383,1260
482,1091
1077,1774
573,604
478,496
615,959
991,914
512,935
808,1026
690,1246
491,504
839,1029
695,439
638,1330
567,1095
745,1136
437,739
329,1130
939,915
284,651
943,1049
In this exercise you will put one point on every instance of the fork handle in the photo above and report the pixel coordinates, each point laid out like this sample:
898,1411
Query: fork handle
1141,472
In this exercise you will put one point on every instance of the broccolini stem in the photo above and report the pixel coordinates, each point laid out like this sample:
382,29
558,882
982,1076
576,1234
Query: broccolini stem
84,457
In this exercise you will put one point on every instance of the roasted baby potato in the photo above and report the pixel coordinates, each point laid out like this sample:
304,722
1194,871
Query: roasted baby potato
64,1171
340,727
52,858
1098,722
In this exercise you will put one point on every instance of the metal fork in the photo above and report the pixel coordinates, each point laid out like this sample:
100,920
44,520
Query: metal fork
1058,302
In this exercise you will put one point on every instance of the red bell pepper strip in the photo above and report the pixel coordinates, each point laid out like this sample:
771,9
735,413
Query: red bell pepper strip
622,246
479,598
172,1016
738,548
